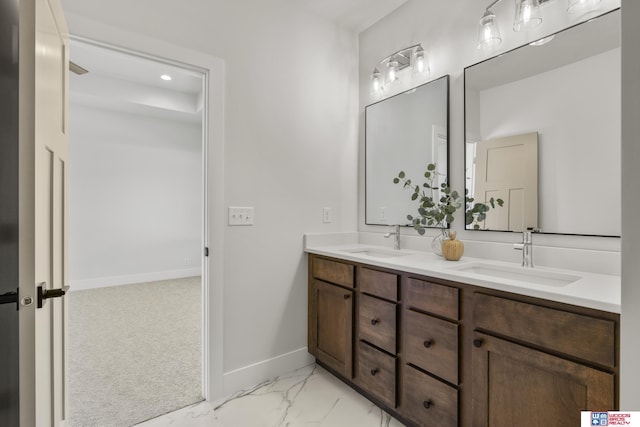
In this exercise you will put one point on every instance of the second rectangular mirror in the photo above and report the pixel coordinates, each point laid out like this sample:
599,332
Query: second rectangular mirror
563,96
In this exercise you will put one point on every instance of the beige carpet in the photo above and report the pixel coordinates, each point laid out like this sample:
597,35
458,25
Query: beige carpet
134,352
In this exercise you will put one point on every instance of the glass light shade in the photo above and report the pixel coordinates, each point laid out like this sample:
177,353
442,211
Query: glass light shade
420,61
488,31
392,74
527,15
376,84
577,6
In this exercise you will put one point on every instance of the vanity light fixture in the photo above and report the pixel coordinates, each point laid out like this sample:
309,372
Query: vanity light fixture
527,17
413,57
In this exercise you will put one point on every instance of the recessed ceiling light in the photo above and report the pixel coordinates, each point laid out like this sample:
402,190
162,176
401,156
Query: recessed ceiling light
165,77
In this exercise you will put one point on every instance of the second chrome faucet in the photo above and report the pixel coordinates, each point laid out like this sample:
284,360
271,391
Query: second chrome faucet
526,246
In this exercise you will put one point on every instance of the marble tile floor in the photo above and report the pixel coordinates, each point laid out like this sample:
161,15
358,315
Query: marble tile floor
308,397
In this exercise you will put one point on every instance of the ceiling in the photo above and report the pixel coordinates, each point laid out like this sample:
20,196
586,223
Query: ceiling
130,83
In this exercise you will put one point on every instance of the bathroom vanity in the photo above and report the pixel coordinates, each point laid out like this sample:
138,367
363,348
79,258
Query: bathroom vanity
453,344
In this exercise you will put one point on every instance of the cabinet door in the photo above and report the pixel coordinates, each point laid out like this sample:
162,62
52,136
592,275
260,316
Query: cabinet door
515,385
334,327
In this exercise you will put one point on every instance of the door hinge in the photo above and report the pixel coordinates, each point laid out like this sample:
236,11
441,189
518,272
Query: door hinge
206,251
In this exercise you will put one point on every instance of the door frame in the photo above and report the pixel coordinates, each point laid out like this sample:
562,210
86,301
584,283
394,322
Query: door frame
212,69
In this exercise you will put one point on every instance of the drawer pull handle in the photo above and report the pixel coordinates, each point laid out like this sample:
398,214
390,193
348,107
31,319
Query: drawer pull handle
347,296
427,404
374,371
478,343
428,343
374,321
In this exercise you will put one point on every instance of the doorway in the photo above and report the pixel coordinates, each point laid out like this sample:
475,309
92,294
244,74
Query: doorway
136,234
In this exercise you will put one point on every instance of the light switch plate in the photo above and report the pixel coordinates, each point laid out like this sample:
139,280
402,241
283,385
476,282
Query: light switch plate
326,215
240,215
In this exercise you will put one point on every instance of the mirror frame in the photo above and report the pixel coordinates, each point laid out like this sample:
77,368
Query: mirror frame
447,103
464,165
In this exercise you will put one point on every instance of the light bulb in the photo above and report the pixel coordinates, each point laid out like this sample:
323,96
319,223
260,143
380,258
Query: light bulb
375,81
393,70
420,61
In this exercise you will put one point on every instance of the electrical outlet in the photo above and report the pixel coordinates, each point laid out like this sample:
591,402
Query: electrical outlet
240,215
326,215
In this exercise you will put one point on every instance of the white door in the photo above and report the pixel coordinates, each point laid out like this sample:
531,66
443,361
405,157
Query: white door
43,212
507,169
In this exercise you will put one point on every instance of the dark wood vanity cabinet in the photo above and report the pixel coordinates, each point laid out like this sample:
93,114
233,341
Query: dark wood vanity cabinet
440,353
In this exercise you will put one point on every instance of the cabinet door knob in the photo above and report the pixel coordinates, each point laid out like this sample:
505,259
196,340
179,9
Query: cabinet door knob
374,371
427,404
428,343
374,321
478,342
347,296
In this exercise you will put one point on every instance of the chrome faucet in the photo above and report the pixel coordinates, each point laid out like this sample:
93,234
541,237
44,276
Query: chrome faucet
396,239
526,246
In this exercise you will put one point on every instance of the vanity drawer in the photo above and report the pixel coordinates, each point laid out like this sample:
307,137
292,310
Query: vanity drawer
431,344
427,401
377,322
430,297
377,373
333,272
581,336
378,283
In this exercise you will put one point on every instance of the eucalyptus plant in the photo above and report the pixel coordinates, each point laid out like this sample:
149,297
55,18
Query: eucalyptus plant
437,210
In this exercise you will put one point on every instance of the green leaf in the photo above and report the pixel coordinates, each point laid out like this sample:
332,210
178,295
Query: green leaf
401,175
427,174
396,180
431,167
414,196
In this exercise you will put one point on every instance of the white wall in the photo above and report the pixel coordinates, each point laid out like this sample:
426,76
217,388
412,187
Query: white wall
589,132
290,150
630,351
135,202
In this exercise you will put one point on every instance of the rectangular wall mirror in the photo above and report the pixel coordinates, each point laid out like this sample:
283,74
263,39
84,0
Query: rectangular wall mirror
562,95
404,133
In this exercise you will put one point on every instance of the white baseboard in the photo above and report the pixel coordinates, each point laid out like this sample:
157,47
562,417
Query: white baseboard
249,376
103,282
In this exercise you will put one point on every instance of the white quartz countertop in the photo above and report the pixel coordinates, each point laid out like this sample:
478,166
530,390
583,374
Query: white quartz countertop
597,291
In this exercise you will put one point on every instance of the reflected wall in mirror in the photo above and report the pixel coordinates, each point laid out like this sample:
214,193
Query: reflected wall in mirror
567,92
404,133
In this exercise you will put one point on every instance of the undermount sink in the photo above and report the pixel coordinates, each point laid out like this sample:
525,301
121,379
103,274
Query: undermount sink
527,275
375,253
